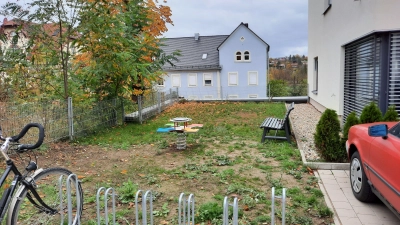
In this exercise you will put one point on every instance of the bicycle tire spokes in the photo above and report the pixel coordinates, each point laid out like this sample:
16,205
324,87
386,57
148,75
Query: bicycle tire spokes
29,210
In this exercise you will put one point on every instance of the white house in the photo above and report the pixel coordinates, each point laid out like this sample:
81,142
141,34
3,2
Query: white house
354,54
218,67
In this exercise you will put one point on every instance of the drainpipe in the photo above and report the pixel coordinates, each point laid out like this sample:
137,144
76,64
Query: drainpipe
218,85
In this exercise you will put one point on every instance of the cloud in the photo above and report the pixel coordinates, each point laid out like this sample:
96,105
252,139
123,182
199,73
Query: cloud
282,24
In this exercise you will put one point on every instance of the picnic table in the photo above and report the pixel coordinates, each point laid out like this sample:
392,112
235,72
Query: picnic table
181,126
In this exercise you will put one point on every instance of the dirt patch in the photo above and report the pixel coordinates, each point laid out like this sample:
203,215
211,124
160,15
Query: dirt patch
167,172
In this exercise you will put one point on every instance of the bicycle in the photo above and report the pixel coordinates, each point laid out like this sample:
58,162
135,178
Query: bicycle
34,196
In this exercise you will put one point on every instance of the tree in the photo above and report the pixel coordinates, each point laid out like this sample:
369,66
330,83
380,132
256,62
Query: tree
51,27
124,59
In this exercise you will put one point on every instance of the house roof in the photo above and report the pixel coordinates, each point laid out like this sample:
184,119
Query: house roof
192,52
247,26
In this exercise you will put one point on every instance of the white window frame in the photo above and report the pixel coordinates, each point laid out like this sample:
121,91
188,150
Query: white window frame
193,97
244,56
233,96
229,78
236,55
208,97
249,78
315,77
195,79
162,83
253,95
175,76
204,79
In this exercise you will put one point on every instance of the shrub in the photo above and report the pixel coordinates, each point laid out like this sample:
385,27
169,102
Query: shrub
371,113
327,139
391,114
277,88
351,120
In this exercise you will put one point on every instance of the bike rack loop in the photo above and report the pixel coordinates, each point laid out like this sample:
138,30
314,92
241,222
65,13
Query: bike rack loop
189,209
273,197
147,195
235,206
106,193
69,198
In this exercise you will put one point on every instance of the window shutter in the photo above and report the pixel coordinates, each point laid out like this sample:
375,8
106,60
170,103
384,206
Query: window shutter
394,71
253,78
176,80
233,79
361,74
192,80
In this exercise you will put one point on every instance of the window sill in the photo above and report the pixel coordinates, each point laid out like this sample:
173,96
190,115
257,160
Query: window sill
315,92
243,61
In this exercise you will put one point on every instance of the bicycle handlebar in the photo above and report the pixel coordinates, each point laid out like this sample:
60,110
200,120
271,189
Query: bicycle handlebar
23,132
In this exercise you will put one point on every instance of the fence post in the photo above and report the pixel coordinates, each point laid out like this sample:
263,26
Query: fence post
70,119
159,101
235,215
122,110
140,109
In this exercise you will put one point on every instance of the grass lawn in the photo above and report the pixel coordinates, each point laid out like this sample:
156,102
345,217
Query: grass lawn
225,158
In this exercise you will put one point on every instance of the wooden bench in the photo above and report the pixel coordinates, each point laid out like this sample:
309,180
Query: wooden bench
276,124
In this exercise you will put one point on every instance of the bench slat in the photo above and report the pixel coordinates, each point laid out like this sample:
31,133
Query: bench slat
271,123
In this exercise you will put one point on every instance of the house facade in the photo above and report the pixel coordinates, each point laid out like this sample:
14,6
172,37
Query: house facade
354,54
218,67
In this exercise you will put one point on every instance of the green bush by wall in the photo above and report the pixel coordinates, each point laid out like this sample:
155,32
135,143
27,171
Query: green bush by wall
391,114
327,139
371,113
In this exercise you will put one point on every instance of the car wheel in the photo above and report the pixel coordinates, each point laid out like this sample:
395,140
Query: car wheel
359,182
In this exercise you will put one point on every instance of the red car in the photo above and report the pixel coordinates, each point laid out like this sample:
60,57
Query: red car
374,153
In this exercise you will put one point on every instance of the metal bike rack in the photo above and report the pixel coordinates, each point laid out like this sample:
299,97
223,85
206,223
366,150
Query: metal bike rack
69,198
235,216
186,209
106,194
147,196
273,197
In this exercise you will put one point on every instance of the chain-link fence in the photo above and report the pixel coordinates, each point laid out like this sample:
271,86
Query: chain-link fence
65,119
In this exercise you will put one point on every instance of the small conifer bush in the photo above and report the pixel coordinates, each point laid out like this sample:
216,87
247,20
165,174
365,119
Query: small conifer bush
327,138
371,113
391,114
351,120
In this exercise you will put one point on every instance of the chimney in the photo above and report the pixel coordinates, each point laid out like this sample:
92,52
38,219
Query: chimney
4,20
196,36
246,24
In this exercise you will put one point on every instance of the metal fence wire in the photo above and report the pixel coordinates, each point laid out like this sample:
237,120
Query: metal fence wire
67,119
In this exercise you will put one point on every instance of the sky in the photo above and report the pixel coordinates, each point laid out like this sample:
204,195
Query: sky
280,23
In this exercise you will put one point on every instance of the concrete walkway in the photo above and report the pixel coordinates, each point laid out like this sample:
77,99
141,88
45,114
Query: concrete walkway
348,210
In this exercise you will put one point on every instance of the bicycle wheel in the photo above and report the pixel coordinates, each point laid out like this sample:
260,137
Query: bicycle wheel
23,211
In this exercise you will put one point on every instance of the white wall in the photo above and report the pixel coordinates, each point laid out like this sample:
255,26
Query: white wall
344,22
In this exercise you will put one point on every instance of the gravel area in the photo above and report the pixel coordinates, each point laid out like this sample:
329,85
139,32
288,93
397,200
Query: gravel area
304,119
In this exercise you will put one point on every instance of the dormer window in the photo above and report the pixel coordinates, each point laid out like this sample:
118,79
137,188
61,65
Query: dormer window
238,56
246,55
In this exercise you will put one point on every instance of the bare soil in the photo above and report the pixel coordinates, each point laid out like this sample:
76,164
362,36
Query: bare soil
98,166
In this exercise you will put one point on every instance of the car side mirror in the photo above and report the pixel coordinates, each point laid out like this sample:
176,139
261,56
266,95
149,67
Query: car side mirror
380,130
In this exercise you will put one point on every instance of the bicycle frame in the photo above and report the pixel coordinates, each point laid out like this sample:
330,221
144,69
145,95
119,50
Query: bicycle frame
8,193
